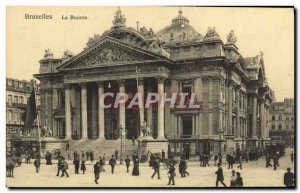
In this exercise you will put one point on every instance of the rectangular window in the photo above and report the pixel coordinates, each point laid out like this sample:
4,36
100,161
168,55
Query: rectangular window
292,127
287,127
9,98
273,127
280,127
287,118
279,117
273,118
21,100
15,99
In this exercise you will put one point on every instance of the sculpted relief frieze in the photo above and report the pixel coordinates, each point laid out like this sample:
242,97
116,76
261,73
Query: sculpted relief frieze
108,55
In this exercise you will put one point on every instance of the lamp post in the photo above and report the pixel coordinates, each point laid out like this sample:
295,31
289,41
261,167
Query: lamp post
220,138
243,138
121,151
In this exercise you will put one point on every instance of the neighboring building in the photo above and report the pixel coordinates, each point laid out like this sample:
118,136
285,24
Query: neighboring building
282,121
232,90
17,96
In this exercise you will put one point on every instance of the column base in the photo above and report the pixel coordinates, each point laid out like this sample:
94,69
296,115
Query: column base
153,145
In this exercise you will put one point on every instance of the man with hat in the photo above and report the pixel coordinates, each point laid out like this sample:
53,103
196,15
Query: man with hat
220,176
289,178
171,174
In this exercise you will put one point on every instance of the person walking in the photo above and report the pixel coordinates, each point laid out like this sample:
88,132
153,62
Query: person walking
240,160
239,180
64,168
163,154
220,176
275,161
97,169
127,161
136,170
289,178
37,163
76,163
181,167
117,154
292,157
83,167
112,163
91,156
59,165
233,179
171,174
156,166
268,160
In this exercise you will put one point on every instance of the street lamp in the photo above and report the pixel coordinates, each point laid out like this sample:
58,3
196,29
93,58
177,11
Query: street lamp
121,152
243,138
220,138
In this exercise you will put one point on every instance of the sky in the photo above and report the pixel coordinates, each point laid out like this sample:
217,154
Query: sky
270,30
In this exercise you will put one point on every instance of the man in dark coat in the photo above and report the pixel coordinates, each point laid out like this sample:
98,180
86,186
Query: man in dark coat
76,163
37,163
239,180
64,168
59,165
48,158
289,178
92,156
171,174
156,166
117,154
292,157
268,160
220,176
163,154
275,161
127,161
97,171
112,163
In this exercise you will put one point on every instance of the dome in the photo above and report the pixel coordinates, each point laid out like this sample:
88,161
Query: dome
179,31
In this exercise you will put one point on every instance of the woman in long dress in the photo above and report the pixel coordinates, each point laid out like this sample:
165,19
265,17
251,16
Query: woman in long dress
136,171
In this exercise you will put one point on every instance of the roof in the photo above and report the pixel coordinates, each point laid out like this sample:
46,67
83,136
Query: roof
179,31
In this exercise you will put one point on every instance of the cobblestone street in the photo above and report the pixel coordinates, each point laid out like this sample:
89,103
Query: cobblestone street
254,175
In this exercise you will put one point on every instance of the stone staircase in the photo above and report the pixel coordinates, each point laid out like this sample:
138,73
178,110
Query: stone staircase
99,147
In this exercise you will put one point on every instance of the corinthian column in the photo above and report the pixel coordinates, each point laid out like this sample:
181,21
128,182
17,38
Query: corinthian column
100,111
230,92
122,110
161,112
68,111
254,117
141,99
84,111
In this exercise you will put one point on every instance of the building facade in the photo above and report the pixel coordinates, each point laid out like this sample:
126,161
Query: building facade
232,90
17,96
282,121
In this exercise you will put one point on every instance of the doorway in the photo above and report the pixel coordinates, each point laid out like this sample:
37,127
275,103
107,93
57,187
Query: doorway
187,126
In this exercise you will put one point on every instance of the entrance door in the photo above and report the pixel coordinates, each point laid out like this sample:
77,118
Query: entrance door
186,150
187,126
132,123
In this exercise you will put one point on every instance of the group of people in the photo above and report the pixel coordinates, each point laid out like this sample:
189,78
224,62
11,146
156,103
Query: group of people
236,180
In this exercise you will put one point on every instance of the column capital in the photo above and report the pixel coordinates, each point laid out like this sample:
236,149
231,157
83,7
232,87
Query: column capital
67,85
160,79
140,81
83,84
100,84
121,82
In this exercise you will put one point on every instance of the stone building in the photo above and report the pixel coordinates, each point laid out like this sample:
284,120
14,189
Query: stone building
282,121
232,90
17,96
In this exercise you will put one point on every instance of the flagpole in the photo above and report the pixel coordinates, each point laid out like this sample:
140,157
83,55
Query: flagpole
38,122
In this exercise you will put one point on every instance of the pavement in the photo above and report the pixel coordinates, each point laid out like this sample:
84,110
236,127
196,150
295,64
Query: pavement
254,174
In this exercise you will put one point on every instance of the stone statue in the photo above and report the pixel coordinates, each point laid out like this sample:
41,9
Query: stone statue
67,54
211,32
231,38
48,54
119,18
147,33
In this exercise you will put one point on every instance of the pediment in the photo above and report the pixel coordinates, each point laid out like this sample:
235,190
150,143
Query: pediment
108,52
